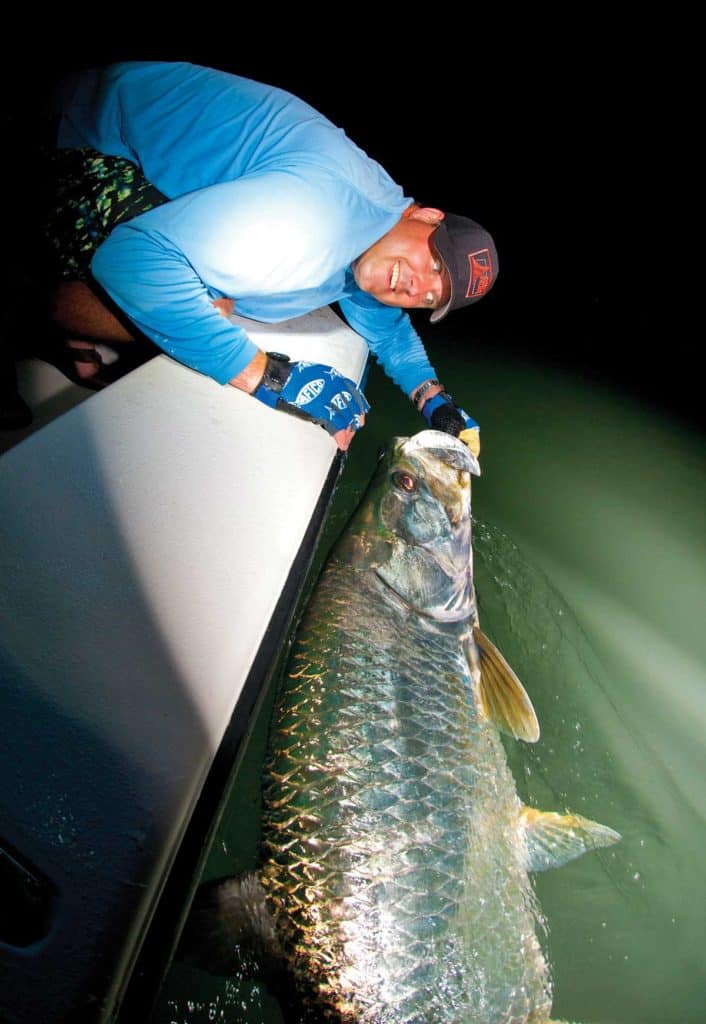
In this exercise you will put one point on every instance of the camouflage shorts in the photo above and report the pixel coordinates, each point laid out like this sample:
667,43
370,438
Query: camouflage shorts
88,195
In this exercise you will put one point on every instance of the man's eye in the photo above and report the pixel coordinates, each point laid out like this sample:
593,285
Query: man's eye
430,298
437,266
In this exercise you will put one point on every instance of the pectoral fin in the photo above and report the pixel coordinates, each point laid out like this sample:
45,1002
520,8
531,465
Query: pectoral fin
554,839
504,698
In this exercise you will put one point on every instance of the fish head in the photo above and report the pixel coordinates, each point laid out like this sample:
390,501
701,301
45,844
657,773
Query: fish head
413,528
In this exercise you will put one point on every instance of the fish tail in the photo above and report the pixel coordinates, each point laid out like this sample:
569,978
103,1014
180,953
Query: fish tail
229,929
230,932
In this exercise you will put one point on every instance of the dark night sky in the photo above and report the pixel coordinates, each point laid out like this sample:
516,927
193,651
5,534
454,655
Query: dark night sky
560,138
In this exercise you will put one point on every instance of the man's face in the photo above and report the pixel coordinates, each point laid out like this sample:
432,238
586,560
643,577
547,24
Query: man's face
403,268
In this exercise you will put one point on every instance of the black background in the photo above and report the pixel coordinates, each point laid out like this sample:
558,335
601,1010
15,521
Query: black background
564,133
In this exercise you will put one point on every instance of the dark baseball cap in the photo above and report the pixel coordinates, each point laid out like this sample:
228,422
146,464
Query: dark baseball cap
469,254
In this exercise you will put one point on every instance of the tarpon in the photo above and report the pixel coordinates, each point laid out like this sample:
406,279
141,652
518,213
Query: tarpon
395,882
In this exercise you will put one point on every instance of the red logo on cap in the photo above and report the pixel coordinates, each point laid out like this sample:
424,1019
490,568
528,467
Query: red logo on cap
481,273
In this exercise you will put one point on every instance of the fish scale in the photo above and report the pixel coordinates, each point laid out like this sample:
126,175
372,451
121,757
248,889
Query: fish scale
382,810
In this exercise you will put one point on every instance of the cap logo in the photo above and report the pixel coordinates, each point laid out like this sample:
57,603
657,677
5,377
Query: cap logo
481,273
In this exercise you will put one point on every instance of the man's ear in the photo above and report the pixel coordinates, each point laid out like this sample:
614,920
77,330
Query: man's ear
427,214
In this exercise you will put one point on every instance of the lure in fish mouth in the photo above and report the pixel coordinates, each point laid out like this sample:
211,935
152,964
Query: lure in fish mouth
394,881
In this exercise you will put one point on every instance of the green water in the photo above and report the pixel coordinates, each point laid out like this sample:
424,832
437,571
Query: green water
591,575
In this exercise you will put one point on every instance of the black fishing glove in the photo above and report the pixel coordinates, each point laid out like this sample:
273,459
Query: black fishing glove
442,413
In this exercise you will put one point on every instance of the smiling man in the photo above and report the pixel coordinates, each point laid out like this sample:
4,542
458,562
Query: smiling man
404,268
258,204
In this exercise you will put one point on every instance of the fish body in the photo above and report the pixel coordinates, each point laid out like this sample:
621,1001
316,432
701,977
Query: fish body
396,852
393,858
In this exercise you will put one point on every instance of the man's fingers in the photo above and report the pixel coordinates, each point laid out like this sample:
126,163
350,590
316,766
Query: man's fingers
343,438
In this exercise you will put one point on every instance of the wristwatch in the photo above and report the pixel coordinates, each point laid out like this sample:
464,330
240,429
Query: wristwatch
417,397
277,371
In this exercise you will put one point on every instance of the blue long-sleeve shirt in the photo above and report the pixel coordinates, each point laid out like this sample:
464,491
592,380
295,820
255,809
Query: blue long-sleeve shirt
270,204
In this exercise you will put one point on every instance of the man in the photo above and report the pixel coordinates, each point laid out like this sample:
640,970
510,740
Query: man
270,209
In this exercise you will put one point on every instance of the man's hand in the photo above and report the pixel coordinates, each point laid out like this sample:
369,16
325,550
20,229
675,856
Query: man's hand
442,413
314,392
224,306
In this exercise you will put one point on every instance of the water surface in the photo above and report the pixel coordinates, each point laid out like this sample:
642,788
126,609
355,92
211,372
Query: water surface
591,575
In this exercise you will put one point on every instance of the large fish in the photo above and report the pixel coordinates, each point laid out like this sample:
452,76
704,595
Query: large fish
394,884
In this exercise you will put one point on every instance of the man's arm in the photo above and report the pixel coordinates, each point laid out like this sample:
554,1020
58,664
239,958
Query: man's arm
261,237
144,266
155,285
250,378
392,339
399,349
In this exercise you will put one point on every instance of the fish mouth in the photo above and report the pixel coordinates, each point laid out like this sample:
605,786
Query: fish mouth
445,447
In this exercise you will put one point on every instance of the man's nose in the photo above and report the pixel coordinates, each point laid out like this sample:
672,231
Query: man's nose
419,284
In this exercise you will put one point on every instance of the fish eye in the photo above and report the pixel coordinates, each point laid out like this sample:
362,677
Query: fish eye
404,481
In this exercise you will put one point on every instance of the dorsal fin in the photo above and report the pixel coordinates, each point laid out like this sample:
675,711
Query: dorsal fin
554,839
504,698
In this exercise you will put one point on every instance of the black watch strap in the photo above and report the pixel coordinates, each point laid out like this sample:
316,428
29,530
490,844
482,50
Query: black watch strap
276,372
